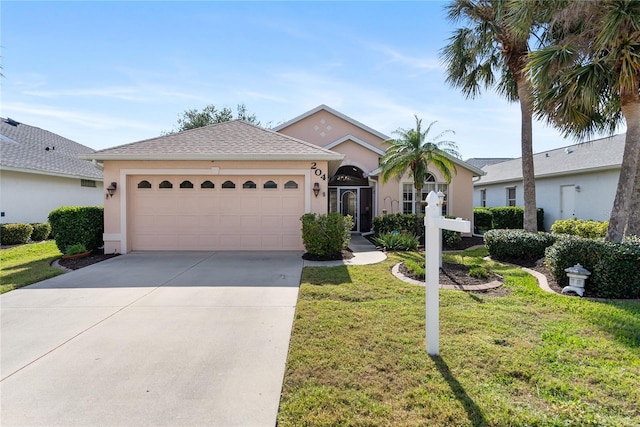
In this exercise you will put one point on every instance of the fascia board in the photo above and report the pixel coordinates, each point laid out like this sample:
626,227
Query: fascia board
241,157
357,141
47,173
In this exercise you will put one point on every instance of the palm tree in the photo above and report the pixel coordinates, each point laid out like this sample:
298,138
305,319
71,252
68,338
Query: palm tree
411,152
588,79
489,53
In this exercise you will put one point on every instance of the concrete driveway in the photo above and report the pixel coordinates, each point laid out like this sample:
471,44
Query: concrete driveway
168,338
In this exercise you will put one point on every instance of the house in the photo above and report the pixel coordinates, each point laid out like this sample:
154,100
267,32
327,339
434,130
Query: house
40,171
237,186
577,181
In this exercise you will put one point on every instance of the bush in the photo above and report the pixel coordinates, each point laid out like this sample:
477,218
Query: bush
15,234
395,241
41,231
450,239
482,220
75,249
77,224
479,272
614,267
508,245
400,223
504,217
326,235
581,228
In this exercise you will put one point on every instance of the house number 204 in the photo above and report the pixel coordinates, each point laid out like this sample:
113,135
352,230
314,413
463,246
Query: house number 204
318,172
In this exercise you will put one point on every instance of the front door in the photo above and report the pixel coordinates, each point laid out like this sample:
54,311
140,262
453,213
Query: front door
349,205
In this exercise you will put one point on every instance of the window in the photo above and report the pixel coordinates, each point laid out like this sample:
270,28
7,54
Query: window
144,184
270,184
483,198
291,185
511,196
228,184
165,184
186,184
412,204
87,183
207,184
249,184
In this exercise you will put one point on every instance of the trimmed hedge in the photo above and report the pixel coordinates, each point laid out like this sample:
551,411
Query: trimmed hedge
15,234
614,267
507,245
406,223
503,217
578,227
77,225
41,231
326,235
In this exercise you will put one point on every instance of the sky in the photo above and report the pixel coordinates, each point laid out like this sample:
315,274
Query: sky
110,73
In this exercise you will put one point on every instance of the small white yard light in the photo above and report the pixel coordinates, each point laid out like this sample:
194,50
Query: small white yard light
577,276
440,198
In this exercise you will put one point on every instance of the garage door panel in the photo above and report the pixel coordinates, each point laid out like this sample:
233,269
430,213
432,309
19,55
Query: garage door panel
215,219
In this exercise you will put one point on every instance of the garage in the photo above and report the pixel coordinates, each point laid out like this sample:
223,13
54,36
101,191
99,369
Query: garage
231,186
200,212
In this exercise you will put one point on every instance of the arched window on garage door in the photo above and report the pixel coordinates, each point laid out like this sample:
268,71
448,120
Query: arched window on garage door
228,184
165,184
270,184
186,184
207,184
144,184
249,184
291,185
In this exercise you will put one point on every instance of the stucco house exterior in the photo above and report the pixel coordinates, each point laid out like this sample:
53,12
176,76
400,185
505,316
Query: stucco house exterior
40,171
237,186
577,181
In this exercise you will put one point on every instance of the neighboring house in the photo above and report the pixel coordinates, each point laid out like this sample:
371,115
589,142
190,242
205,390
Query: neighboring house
237,186
577,181
40,171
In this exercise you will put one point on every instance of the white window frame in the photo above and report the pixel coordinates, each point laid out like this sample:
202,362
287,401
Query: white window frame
511,201
483,197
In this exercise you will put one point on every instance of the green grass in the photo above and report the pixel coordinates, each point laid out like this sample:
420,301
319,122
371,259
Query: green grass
357,354
26,264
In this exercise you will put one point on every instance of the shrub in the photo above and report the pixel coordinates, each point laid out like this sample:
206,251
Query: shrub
75,249
482,220
41,231
614,267
505,217
326,235
508,245
479,272
77,224
15,234
415,268
395,241
579,227
400,223
450,238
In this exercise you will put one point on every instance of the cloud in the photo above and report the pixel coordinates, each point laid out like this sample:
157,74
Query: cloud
93,121
413,62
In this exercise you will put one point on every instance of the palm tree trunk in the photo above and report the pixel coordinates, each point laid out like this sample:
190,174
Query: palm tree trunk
626,198
528,173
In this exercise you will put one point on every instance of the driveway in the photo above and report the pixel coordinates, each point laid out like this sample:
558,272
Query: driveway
164,338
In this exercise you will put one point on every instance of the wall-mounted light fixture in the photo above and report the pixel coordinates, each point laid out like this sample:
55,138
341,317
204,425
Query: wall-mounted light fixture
316,189
577,187
111,189
440,198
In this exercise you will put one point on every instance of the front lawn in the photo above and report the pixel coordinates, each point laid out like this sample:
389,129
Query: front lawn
357,354
26,264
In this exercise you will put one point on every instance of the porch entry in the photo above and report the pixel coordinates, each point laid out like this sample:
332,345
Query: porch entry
351,194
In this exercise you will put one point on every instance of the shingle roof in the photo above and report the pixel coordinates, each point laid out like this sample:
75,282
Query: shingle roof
599,154
232,140
31,149
481,162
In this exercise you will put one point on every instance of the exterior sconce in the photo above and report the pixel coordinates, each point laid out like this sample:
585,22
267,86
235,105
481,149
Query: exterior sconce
441,196
111,189
577,188
316,189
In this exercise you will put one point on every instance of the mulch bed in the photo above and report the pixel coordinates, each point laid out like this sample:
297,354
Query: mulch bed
76,263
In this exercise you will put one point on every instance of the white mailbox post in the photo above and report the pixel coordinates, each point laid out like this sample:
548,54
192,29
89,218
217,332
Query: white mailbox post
433,223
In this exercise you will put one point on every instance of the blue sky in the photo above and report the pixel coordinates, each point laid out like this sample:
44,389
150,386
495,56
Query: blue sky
110,73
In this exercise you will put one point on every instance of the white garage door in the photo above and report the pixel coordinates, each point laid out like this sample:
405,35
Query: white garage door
215,213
